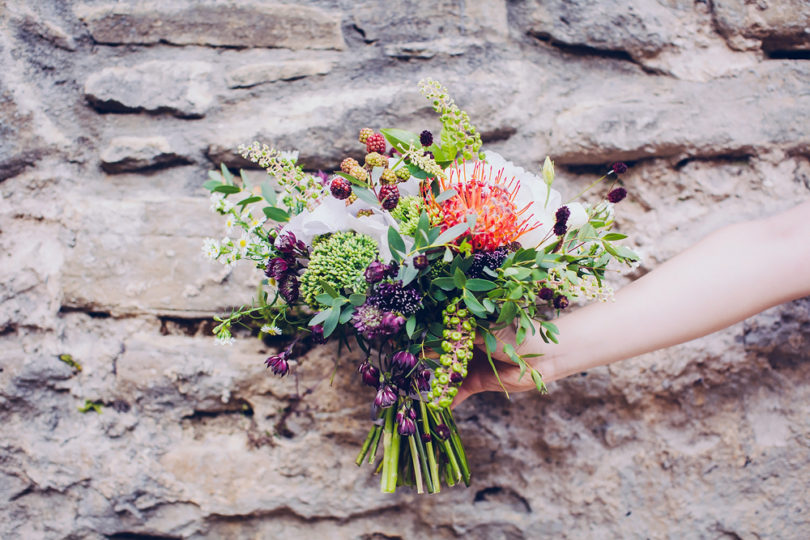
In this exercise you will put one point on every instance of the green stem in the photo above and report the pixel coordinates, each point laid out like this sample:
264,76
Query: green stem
417,469
362,455
434,467
393,465
387,448
375,444
578,195
420,445
454,436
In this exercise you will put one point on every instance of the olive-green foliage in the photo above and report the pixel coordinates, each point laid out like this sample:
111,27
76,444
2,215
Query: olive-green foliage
338,259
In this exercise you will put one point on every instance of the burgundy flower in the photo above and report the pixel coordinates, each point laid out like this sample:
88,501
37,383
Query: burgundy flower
375,272
407,427
404,360
276,268
392,323
369,374
278,363
426,138
285,243
561,301
385,397
546,294
619,167
423,380
395,297
443,432
317,334
420,262
288,288
562,214
455,377
560,229
617,195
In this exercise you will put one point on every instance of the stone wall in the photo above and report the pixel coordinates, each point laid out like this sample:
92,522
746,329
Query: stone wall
112,112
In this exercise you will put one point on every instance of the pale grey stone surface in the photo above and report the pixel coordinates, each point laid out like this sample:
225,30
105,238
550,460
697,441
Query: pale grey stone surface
109,122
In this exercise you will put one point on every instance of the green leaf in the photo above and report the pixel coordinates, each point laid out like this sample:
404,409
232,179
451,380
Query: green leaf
452,233
446,283
488,304
520,273
366,195
508,312
357,299
490,342
476,284
395,241
245,180
447,194
408,274
538,382
346,314
325,299
269,193
214,175
614,236
227,189
520,335
319,317
331,322
276,214
401,139
459,278
249,200
473,304
226,174
448,255
211,184
352,179
328,289
416,172
410,326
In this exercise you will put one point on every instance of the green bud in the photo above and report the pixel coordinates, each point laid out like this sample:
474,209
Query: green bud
447,346
446,359
548,171
462,313
466,326
455,321
455,336
443,378
450,308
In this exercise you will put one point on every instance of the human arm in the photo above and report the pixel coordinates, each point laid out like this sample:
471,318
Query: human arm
732,274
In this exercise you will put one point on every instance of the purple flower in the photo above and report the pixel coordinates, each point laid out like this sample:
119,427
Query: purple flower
455,377
619,167
546,294
560,301
560,229
392,323
394,297
375,272
393,269
288,288
367,320
276,268
423,380
407,427
426,438
420,262
285,243
278,363
385,397
404,360
487,259
562,215
617,195
426,138
443,432
317,334
369,374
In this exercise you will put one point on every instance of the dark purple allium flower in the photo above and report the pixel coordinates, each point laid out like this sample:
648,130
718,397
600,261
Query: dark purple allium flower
455,377
487,259
317,334
285,243
560,229
443,432
394,297
392,323
407,427
404,360
619,167
423,380
426,138
375,272
426,438
561,301
617,195
420,262
276,268
385,397
367,320
393,269
278,363
288,288
546,294
562,215
369,374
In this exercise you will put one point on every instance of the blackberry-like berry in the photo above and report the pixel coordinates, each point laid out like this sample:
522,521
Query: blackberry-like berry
365,133
360,173
375,143
340,188
403,174
374,159
389,197
348,164
560,229
617,195
388,177
426,138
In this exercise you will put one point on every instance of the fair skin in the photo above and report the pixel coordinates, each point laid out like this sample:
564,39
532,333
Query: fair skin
729,276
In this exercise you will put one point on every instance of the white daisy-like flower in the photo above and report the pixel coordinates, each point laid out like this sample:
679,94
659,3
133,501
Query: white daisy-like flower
271,330
210,248
230,223
254,222
225,338
217,201
243,243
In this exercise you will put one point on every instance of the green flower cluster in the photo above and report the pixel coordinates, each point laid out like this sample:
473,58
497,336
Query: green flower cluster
340,260
407,213
458,131
457,347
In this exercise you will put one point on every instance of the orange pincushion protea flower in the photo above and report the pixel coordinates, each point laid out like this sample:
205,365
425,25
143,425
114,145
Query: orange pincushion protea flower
499,220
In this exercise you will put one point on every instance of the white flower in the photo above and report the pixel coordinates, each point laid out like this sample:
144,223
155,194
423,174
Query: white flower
271,330
254,222
210,248
543,202
230,222
289,155
244,242
217,201
225,338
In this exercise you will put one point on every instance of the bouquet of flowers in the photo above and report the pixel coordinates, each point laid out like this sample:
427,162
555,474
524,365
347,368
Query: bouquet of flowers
427,246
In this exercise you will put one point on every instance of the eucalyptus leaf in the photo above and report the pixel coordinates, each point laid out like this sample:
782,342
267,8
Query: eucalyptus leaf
227,189
395,241
476,284
269,193
276,214
452,233
211,184
447,194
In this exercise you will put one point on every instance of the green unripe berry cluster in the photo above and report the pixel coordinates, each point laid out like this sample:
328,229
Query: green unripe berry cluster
457,350
340,260
407,213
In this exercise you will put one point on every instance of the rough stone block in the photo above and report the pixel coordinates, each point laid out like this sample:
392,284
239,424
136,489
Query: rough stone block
182,88
254,74
773,26
126,154
222,24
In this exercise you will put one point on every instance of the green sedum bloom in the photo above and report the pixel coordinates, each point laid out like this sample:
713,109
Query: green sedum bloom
407,213
338,259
